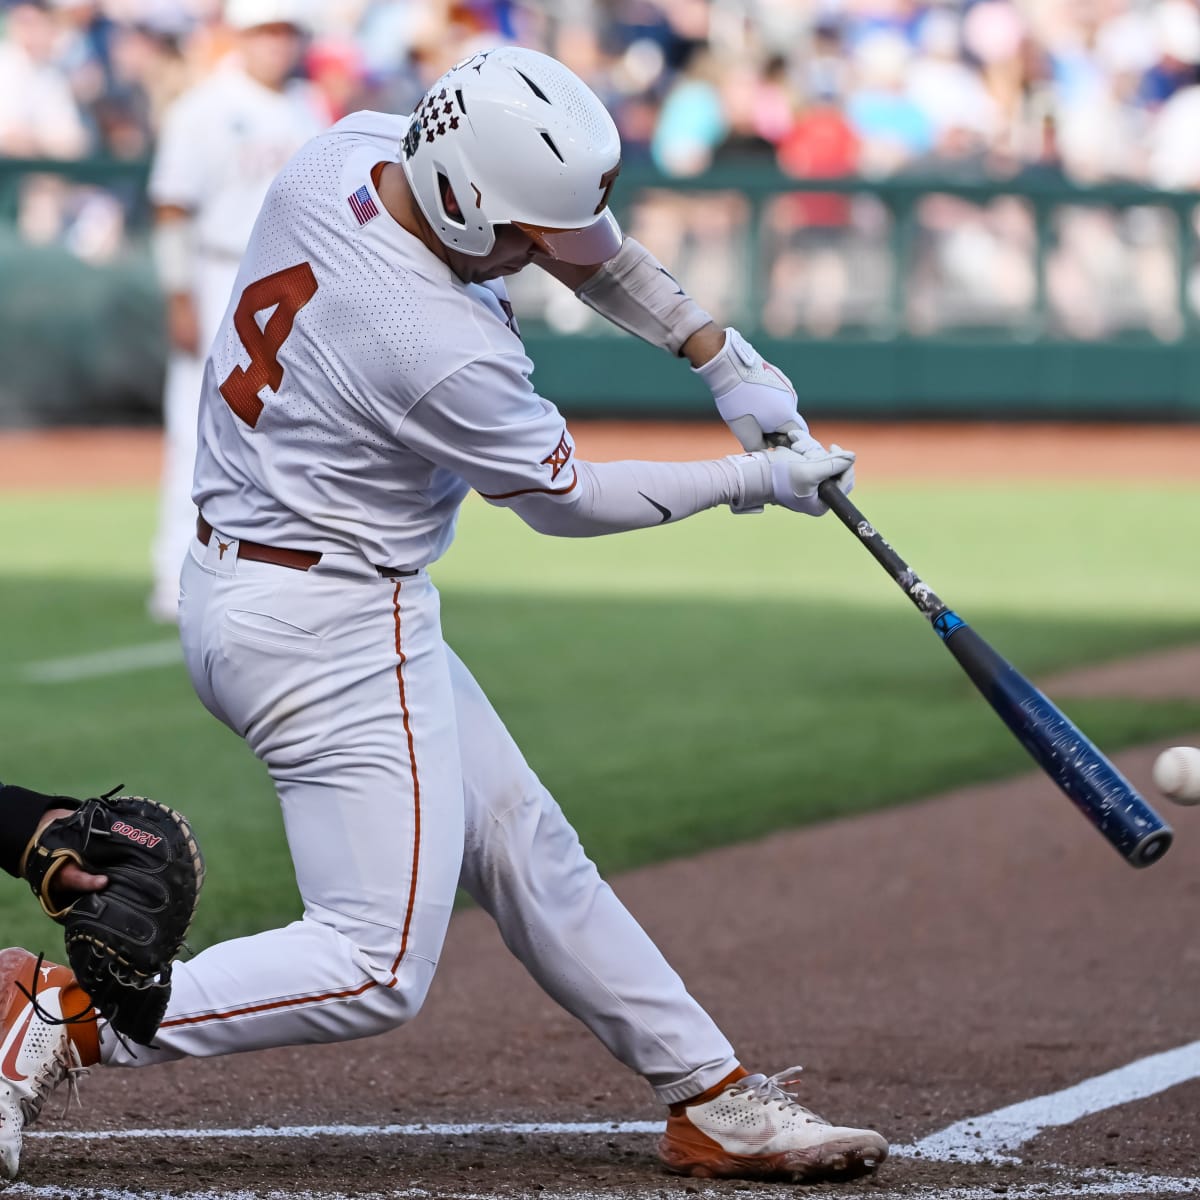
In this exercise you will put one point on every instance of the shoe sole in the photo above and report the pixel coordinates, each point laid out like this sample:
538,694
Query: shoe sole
828,1162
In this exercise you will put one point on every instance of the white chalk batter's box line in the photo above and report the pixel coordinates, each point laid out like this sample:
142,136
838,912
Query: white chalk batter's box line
1097,1185
991,1138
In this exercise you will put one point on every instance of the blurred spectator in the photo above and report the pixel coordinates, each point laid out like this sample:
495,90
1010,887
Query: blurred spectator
1177,30
948,92
693,121
892,126
809,274
38,114
337,71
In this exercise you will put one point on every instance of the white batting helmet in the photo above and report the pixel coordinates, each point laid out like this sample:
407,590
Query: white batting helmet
519,139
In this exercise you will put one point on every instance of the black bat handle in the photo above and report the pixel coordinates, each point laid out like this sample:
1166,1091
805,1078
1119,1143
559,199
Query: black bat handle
910,584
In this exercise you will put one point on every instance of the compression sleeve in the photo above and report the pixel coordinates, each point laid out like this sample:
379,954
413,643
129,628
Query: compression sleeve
617,496
486,423
20,812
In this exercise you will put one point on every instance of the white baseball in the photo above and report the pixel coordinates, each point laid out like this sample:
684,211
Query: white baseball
1177,774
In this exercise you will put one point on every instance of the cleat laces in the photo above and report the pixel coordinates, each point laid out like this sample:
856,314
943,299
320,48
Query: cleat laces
61,1066
775,1090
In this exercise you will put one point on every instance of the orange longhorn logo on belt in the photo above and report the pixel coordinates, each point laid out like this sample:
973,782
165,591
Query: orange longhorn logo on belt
222,547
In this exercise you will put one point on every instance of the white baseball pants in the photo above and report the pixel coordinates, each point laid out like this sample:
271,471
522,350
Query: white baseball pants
397,780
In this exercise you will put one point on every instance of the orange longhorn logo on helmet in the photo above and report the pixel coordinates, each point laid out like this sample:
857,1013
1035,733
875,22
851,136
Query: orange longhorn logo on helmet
606,185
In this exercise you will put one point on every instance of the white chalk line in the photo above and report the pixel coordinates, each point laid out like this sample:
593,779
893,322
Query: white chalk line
313,1131
1082,1184
985,1138
118,661
975,1139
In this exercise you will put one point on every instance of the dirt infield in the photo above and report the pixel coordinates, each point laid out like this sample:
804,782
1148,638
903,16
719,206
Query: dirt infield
1172,674
928,965
918,450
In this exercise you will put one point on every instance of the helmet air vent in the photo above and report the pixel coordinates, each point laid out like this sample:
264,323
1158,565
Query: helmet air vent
533,87
550,142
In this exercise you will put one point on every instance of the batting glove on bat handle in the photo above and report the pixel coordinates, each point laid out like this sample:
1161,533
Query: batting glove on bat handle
792,478
755,399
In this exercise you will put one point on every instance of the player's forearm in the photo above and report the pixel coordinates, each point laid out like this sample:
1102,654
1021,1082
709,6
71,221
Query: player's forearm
620,496
173,245
637,293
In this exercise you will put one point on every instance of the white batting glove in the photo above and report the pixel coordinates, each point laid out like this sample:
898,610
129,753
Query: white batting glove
753,397
790,475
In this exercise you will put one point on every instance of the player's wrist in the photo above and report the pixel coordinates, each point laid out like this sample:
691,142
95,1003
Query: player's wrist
704,346
754,484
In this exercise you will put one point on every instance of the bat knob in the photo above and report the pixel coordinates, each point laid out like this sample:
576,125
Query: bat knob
1151,848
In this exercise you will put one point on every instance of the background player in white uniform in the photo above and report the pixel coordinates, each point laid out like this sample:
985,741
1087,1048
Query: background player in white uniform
222,143
367,375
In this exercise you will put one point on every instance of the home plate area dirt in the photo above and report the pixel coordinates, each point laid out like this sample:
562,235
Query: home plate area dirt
927,965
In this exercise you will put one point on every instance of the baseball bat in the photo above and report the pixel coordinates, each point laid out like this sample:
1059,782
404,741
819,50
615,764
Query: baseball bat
1090,781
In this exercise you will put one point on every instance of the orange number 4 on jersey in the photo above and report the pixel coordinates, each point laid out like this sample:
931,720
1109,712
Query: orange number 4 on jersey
287,292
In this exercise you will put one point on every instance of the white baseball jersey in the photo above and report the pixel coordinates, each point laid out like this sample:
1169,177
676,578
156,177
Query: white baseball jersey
357,388
222,143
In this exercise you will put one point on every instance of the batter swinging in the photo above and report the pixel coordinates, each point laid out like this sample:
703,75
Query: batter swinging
367,374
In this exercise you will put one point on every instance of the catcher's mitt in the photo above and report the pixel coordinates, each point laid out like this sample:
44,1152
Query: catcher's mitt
121,941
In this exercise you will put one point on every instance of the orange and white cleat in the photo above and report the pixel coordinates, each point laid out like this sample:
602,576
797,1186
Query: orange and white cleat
48,1033
755,1128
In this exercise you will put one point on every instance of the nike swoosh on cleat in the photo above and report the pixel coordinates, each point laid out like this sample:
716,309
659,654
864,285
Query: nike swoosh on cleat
662,508
9,1067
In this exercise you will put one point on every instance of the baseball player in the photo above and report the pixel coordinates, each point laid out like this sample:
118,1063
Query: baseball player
367,374
222,143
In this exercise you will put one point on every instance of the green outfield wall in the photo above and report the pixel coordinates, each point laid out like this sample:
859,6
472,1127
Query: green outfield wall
1026,297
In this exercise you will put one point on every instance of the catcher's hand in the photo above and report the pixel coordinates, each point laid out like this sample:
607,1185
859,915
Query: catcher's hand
122,939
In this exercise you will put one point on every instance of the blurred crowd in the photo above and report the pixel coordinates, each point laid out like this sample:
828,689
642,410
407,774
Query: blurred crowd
1086,90
1099,89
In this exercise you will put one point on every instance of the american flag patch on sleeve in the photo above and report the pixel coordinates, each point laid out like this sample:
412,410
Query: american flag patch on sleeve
362,205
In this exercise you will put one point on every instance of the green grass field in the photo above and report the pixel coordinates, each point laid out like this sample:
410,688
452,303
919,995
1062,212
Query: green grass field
677,689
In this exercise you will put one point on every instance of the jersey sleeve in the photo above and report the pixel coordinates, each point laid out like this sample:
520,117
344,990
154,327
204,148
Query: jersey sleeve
486,423
177,175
